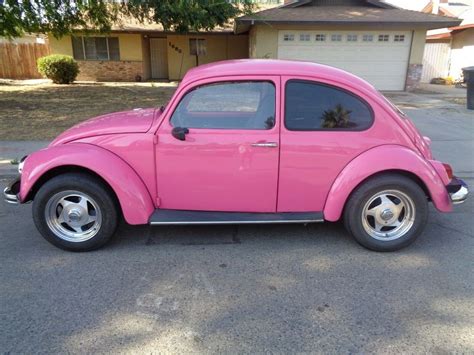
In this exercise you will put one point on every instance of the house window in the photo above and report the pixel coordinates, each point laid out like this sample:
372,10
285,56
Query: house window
95,48
305,37
336,38
320,37
368,38
399,38
351,38
197,46
384,38
288,37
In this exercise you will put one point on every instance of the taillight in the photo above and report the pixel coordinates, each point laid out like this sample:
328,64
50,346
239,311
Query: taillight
449,170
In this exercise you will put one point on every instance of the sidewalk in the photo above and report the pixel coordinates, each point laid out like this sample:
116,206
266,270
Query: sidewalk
15,150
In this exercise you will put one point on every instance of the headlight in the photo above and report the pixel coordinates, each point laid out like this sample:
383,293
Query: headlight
20,165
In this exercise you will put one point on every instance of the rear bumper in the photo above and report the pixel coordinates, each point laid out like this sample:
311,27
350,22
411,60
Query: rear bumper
458,190
11,192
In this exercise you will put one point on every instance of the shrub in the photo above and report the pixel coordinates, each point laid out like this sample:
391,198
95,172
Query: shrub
61,69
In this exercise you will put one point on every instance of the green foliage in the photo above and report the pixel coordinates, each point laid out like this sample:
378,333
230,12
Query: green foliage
62,17
337,118
61,69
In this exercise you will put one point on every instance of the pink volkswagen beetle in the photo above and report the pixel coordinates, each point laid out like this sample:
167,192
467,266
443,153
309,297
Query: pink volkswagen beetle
246,141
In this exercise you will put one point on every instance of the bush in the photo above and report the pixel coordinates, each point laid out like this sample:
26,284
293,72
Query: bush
61,69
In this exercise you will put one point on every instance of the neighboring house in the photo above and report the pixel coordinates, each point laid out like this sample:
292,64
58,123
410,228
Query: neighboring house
448,50
377,41
369,38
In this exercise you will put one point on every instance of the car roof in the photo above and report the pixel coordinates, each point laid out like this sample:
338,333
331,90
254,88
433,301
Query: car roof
273,67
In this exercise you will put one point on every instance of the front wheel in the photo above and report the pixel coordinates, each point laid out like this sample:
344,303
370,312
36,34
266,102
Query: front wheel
75,212
386,213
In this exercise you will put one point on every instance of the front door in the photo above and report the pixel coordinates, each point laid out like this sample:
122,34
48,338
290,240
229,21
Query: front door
158,58
228,160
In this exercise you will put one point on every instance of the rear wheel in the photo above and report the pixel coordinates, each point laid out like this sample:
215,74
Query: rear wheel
75,212
387,212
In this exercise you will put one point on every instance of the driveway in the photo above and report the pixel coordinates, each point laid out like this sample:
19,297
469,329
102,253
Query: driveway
250,289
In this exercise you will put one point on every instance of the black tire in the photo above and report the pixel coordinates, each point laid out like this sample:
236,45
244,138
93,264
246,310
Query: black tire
102,198
354,218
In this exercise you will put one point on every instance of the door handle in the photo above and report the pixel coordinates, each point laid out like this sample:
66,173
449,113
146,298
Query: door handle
265,144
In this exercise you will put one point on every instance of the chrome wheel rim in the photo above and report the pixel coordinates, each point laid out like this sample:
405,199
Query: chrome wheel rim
388,215
73,216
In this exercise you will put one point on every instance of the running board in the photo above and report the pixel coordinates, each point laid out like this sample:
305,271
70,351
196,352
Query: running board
162,217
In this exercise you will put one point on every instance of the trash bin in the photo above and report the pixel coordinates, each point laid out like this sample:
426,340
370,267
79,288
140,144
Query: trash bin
468,73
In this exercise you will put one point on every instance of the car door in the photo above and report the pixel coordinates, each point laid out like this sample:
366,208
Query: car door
218,147
325,126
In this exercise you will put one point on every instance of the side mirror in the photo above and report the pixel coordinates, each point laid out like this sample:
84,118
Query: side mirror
179,133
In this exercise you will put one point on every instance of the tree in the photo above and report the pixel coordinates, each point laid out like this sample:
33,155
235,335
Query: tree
62,17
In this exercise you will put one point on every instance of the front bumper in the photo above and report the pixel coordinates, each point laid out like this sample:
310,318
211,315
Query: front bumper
11,192
458,191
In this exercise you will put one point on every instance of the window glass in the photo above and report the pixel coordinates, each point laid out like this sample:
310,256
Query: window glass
305,37
336,38
399,38
351,38
114,51
197,46
288,37
320,37
229,105
311,106
95,48
368,38
77,50
383,38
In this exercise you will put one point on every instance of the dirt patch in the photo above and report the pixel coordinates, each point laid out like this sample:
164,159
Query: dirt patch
41,112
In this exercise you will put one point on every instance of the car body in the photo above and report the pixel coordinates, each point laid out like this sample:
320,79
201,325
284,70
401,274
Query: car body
246,141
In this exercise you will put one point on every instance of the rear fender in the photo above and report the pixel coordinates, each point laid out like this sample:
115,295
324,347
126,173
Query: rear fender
133,196
380,159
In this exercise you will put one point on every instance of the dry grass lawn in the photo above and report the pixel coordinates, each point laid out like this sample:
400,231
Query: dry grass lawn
42,111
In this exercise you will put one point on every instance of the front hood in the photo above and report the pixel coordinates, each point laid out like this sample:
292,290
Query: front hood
134,121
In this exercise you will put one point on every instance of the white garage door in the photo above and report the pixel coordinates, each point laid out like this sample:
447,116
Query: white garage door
380,57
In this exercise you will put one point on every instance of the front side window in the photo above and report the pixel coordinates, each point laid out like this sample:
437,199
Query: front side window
311,106
95,48
228,105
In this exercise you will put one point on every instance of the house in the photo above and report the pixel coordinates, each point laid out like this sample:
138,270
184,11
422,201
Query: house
448,50
370,38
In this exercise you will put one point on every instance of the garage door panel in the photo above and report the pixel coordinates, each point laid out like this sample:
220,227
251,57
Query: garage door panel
383,64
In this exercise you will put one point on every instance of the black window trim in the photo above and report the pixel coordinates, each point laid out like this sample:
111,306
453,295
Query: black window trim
306,81
229,82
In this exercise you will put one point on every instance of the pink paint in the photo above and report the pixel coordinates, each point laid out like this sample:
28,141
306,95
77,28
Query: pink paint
222,170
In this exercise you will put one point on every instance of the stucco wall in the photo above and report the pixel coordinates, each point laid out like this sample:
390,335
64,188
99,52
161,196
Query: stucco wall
462,52
219,47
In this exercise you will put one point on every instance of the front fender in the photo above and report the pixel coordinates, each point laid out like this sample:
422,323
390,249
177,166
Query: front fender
133,196
380,159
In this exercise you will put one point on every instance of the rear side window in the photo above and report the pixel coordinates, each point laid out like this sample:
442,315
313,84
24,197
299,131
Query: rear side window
311,106
228,105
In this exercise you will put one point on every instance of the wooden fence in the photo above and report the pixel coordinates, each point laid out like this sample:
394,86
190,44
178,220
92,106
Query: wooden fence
18,61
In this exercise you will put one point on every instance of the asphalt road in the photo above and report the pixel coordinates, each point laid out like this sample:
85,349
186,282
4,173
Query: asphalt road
248,289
